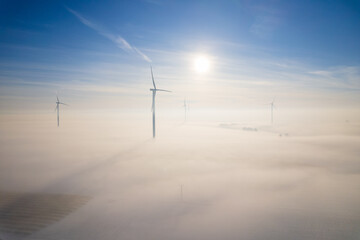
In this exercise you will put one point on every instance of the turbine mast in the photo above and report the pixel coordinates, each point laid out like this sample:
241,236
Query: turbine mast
272,109
185,108
154,90
58,119
153,111
58,109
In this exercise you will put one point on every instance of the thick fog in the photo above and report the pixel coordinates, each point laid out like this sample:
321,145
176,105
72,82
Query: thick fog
215,176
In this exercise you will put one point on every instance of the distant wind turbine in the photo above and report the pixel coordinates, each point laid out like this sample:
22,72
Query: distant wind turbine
154,90
272,110
57,109
185,108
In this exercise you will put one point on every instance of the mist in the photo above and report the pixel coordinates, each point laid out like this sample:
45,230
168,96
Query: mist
215,176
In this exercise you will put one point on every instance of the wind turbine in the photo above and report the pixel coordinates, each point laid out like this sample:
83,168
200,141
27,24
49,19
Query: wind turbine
57,109
272,110
154,90
185,108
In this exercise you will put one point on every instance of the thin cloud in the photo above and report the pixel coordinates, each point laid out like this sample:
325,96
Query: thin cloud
146,58
122,43
346,76
118,40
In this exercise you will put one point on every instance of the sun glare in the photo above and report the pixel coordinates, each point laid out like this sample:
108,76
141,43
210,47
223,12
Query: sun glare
201,64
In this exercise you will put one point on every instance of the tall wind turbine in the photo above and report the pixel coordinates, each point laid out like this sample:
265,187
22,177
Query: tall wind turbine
154,90
57,109
272,110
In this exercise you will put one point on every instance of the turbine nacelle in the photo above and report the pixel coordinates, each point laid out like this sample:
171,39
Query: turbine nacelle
58,101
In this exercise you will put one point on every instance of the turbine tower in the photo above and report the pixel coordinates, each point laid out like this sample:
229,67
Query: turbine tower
272,110
185,108
57,109
154,90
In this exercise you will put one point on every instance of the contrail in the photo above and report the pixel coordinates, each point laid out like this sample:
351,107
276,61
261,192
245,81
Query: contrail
118,40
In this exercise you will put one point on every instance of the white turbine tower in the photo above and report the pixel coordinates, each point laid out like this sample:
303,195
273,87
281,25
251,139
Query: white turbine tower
154,90
185,108
57,109
272,110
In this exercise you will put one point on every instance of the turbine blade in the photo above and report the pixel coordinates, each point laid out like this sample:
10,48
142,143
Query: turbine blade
152,76
64,104
163,90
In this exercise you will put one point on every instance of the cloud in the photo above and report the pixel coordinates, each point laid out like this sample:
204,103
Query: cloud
118,40
344,76
146,58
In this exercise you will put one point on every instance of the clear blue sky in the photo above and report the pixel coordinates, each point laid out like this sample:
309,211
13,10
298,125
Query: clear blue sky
40,39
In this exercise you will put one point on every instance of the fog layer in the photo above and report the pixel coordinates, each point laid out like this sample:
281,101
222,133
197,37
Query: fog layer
197,180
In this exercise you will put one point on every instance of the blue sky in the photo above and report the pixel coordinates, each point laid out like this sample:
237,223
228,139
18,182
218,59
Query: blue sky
105,47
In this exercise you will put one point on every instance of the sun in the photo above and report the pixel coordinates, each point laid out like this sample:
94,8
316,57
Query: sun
201,64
